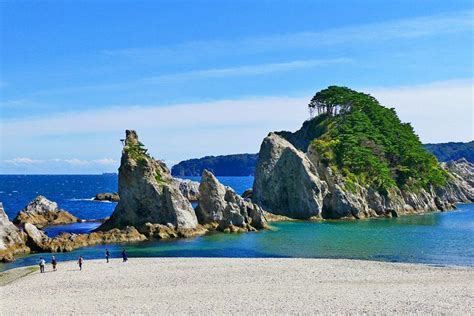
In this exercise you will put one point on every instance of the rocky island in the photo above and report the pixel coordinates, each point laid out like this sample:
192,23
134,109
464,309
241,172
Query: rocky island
42,212
355,159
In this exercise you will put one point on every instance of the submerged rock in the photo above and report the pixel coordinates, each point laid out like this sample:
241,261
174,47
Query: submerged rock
12,240
286,182
107,196
42,212
147,193
221,205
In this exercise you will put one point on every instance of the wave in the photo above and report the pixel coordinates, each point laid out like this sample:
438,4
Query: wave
74,199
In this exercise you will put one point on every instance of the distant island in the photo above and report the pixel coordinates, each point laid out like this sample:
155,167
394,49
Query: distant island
244,164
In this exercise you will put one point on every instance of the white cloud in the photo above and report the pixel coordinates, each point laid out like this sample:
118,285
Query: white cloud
250,70
23,161
439,112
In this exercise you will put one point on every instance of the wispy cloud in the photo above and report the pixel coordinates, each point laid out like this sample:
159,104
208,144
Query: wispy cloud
73,161
250,70
448,23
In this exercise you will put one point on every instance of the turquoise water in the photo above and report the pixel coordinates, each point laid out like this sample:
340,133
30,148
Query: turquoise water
435,238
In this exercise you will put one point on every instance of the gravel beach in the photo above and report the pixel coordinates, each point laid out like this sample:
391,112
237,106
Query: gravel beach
240,286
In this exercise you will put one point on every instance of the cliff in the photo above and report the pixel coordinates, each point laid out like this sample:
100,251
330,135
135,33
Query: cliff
147,193
355,159
12,240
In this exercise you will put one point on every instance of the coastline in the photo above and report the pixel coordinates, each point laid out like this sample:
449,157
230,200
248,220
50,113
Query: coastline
241,285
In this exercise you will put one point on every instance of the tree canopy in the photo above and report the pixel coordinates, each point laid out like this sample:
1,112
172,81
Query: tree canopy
368,144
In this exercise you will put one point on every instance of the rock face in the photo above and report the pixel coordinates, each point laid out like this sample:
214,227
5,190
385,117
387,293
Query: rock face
12,240
42,212
297,184
221,205
147,193
286,182
107,196
189,189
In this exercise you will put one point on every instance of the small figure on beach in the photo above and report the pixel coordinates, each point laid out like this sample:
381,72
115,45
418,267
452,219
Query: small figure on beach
42,263
80,262
107,255
54,262
124,255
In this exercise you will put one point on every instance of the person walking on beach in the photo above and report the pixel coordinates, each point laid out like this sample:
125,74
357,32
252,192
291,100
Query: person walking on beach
80,262
42,263
124,255
54,262
107,255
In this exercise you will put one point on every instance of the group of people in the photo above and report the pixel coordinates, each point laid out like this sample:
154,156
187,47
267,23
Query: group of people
80,262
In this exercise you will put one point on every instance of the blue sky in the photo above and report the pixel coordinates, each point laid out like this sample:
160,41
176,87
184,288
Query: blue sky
214,77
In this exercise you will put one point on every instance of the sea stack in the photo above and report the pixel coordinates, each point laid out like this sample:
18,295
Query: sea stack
147,193
220,205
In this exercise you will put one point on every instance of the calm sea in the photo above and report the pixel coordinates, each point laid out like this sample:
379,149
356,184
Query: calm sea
435,238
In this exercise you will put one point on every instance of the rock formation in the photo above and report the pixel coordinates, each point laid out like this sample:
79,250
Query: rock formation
107,196
42,212
286,182
189,189
221,205
38,241
298,184
147,193
12,240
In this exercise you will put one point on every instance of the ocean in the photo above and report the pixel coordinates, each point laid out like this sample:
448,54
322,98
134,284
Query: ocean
435,238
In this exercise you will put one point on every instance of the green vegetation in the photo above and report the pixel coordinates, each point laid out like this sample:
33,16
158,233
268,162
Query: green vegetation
368,144
136,151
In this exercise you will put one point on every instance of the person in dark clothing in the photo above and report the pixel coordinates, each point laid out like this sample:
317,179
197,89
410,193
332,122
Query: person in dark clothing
124,255
54,262
107,255
80,262
42,263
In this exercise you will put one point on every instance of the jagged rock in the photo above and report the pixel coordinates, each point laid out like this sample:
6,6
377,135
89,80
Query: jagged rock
221,205
189,189
247,194
37,239
42,212
69,242
12,240
286,182
107,196
159,231
147,193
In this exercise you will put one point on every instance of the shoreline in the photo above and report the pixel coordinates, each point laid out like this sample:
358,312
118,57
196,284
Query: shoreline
241,285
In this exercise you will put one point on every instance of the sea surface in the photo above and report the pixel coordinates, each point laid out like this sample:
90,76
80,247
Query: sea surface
434,238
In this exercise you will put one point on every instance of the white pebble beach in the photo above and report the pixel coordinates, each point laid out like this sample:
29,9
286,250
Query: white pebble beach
240,286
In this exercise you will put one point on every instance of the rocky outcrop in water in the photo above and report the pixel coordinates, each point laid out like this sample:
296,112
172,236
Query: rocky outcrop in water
147,193
286,182
12,240
107,196
42,212
297,184
37,240
220,204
